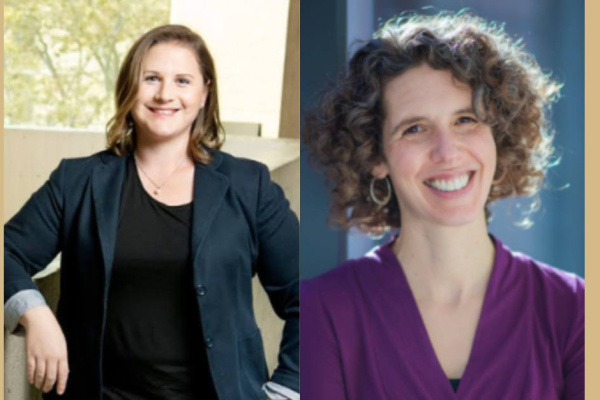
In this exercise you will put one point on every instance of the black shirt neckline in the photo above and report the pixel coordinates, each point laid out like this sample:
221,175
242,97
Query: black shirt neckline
133,165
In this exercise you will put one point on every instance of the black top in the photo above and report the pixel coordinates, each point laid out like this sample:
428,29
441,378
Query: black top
153,345
455,383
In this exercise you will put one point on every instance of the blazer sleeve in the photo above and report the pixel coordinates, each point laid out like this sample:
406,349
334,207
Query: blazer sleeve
322,377
574,360
277,269
32,236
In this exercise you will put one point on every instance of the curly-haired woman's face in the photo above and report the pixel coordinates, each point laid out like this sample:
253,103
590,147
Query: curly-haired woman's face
440,159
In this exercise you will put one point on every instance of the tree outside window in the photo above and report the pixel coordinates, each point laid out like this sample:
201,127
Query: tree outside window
61,57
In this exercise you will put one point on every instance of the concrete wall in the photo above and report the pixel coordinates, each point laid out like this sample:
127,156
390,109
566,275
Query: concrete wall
289,124
247,40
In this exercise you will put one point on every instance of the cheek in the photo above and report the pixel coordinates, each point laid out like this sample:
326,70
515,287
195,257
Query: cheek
405,158
489,152
405,164
193,100
145,92
140,101
486,153
204,94
136,109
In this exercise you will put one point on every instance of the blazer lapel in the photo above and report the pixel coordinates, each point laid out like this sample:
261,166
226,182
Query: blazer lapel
210,187
107,185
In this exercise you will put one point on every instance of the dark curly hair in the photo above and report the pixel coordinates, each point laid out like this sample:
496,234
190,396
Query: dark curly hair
511,94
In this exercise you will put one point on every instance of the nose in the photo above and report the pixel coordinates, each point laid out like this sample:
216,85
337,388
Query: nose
164,93
446,147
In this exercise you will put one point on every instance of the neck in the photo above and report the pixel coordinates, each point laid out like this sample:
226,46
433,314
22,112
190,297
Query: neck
159,154
446,264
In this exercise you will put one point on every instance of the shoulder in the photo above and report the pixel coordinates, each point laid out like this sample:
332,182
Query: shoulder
237,168
554,283
350,281
79,169
101,157
85,164
558,296
250,181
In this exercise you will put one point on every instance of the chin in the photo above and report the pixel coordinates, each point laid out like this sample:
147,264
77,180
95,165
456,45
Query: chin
163,134
457,218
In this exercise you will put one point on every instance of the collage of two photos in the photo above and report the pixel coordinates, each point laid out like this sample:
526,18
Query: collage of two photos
158,155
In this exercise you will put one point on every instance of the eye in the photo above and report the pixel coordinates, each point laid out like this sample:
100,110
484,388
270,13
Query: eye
412,130
151,78
466,120
183,81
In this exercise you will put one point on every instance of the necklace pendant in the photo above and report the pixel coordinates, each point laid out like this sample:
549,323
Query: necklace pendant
157,191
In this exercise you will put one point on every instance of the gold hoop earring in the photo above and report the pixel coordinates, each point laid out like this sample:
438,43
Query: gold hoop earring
499,180
388,196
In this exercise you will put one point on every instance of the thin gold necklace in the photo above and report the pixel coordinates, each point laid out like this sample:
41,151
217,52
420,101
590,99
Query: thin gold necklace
157,188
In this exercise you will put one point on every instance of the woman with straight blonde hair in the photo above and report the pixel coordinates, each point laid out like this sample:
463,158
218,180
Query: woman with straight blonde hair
160,236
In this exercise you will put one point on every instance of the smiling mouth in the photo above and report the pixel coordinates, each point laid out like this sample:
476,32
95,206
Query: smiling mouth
451,185
163,111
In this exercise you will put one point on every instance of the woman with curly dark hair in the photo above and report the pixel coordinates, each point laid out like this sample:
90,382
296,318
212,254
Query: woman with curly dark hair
437,117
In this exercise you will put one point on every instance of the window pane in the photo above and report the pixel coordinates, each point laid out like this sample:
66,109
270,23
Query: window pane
61,57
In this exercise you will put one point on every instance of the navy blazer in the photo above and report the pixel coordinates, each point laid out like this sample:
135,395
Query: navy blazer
242,225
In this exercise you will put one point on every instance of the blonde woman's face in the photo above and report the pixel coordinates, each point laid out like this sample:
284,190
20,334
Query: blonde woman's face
171,92
440,158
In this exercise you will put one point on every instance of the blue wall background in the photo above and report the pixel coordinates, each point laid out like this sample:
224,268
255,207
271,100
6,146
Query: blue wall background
553,30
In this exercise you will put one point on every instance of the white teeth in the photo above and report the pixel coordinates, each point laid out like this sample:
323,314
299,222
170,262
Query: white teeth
165,112
449,185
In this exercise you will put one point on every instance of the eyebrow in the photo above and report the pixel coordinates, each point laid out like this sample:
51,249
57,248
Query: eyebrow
158,73
412,120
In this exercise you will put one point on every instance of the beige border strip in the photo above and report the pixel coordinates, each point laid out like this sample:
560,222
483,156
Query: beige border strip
592,197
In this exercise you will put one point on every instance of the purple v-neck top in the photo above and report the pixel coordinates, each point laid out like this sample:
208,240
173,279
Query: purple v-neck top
363,337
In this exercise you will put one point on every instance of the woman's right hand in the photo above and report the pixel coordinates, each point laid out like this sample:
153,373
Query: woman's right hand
46,350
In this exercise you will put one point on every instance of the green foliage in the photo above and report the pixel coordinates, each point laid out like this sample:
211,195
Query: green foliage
61,57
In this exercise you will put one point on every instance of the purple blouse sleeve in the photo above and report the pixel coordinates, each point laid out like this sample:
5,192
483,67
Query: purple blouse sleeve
322,377
574,360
